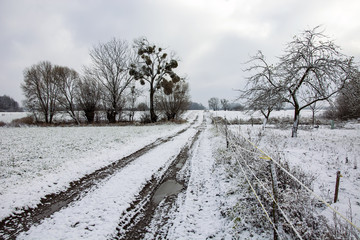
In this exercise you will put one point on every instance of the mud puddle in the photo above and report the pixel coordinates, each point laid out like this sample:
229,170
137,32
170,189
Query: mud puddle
161,193
168,188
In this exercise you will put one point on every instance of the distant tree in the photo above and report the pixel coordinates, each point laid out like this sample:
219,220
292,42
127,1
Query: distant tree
155,67
225,104
214,103
315,107
174,104
7,104
110,67
348,101
143,107
312,70
131,101
88,97
40,90
67,83
196,106
236,107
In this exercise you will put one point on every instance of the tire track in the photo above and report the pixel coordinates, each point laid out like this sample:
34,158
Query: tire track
135,220
24,218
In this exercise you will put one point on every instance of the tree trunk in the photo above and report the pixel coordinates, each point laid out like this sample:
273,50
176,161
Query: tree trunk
153,116
296,122
51,117
35,116
90,115
73,115
46,116
266,116
275,188
313,116
111,116
265,122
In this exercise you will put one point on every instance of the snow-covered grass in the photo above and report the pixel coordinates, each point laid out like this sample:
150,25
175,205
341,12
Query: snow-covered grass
96,215
321,153
35,161
246,115
7,117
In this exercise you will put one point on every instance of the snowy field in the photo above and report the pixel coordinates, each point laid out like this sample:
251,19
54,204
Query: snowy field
7,117
35,161
321,153
246,115
96,215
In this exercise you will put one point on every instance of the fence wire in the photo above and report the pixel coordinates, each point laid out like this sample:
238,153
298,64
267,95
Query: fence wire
257,153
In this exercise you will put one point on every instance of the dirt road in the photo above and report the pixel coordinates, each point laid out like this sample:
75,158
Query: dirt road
123,200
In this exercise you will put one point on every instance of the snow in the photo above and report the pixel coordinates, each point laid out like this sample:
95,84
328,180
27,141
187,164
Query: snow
96,216
36,161
198,214
246,115
321,153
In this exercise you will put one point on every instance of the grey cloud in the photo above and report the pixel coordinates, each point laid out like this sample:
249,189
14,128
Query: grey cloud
212,38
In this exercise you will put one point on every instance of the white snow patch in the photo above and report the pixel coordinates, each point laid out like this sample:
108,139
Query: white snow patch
96,215
36,161
320,152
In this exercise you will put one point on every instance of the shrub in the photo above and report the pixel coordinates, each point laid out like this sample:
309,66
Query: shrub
145,118
22,121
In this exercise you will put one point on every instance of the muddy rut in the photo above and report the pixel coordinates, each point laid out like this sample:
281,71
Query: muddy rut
159,194
21,221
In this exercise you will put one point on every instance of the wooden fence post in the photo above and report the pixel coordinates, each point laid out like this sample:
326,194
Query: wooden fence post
338,175
275,194
226,133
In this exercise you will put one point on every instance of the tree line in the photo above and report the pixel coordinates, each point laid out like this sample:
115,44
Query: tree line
8,104
109,83
217,104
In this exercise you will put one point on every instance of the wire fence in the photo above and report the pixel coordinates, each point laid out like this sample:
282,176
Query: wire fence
285,197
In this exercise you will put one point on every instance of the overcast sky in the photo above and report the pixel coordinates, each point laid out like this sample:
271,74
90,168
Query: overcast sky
213,38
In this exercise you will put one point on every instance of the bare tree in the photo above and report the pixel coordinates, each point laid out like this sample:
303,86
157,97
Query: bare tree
67,83
225,104
262,91
155,67
131,102
312,70
88,97
110,66
265,101
176,103
315,107
214,103
40,90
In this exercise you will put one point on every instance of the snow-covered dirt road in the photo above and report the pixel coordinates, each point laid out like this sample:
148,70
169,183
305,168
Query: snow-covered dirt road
163,191
196,212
